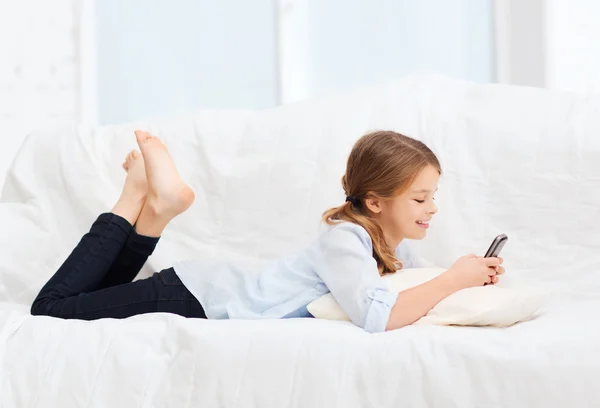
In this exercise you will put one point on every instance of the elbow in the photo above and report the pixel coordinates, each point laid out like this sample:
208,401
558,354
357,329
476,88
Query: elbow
391,325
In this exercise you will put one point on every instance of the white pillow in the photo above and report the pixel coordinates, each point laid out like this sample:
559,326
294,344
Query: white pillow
490,305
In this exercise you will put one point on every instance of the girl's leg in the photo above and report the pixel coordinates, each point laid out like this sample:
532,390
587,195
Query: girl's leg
162,292
130,260
87,267
134,192
88,264
167,197
136,249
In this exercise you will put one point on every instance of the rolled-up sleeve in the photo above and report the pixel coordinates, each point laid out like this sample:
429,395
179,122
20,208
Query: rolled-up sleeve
344,261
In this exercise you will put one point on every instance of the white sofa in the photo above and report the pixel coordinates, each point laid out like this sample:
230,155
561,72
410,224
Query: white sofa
519,161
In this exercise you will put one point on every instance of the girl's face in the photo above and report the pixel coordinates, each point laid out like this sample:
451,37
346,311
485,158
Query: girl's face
408,215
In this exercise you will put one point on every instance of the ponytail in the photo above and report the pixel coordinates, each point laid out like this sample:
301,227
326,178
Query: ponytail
350,212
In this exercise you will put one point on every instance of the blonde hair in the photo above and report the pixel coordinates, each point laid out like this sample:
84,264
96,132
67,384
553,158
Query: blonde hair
381,165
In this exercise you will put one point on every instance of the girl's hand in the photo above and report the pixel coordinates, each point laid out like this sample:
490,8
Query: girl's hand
499,270
471,271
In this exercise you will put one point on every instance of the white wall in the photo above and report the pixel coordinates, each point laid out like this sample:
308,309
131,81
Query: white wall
573,45
337,44
520,42
38,70
162,57
549,43
156,57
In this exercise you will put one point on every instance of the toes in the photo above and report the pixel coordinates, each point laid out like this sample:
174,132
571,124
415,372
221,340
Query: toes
146,140
132,155
142,136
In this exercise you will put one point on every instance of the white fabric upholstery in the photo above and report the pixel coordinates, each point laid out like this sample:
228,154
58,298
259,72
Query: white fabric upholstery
519,161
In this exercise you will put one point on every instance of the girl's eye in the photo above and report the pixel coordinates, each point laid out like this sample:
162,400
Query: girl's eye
420,201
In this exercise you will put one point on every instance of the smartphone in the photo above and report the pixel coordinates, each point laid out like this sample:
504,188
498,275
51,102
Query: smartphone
496,247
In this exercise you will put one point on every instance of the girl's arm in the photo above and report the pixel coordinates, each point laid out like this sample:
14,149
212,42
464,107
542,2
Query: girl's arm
414,303
468,271
343,259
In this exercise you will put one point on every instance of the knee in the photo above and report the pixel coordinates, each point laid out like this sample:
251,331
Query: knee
40,307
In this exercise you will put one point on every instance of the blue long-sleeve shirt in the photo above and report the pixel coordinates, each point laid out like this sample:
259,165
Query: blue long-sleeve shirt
339,261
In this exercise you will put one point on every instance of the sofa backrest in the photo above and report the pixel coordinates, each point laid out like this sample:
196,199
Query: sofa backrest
515,160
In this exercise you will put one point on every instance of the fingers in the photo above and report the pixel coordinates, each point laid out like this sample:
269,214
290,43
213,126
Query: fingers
493,280
497,270
490,261
499,258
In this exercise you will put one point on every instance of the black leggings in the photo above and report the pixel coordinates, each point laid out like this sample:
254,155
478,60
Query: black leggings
96,279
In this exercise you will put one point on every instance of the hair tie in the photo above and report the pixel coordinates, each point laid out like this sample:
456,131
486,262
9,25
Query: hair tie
355,201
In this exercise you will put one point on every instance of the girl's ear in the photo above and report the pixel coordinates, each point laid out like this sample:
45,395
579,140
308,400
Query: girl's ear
373,204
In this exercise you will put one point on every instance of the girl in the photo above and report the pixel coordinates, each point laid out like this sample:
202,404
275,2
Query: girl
389,183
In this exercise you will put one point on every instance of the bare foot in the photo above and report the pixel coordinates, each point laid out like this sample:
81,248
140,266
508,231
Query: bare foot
136,173
134,192
168,195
